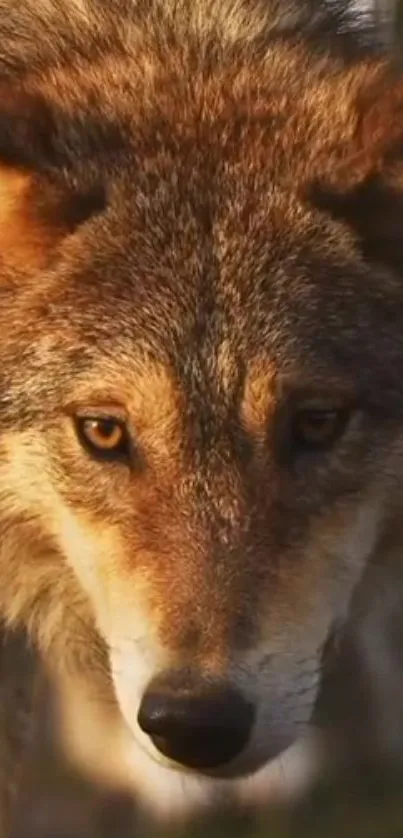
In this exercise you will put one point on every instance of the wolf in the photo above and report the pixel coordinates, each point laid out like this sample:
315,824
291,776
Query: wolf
201,375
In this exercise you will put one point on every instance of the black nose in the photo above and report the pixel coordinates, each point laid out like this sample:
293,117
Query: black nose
200,726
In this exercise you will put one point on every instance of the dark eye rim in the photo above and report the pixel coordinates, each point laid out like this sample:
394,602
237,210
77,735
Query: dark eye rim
120,453
341,415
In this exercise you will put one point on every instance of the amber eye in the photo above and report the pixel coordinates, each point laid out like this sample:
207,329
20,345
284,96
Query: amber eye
318,428
103,436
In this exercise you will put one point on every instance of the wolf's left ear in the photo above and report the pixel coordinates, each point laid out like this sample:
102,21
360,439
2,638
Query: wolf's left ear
366,190
40,201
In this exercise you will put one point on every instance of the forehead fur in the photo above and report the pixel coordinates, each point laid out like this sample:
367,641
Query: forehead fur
205,147
89,29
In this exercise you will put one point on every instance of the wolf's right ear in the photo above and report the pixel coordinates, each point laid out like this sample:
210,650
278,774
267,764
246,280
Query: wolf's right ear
40,203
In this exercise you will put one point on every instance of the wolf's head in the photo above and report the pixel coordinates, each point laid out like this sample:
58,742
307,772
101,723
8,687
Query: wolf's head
201,344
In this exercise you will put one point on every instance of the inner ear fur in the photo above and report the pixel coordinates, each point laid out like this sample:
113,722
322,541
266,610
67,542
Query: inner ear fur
41,202
37,213
366,190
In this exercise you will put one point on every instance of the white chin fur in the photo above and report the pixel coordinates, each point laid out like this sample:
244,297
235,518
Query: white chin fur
169,793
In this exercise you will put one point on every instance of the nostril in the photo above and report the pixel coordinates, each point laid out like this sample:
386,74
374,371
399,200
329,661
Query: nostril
204,728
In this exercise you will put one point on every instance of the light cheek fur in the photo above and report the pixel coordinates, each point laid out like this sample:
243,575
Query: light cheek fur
39,588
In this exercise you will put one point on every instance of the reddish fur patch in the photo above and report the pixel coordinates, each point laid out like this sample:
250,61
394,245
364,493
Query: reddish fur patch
24,240
29,235
259,400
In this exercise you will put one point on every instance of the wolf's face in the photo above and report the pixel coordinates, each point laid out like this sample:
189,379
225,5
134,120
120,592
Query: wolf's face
201,401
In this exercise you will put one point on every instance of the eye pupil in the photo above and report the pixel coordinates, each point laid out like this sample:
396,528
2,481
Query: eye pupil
105,427
102,436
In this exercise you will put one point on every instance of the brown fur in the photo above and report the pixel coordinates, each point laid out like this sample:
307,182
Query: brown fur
201,236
